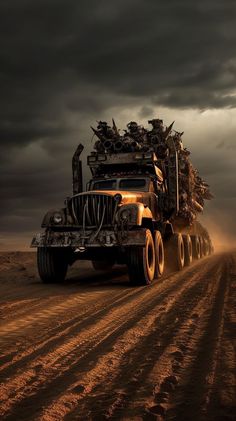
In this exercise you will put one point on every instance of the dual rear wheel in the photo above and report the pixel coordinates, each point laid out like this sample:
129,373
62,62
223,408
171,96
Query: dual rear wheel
174,252
201,246
147,262
188,249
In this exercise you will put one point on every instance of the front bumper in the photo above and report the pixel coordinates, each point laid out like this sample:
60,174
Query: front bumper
84,240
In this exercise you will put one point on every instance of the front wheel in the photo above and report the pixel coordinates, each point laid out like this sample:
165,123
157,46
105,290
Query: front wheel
52,264
141,262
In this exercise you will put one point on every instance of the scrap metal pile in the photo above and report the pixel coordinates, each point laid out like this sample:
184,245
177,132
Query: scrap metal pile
163,141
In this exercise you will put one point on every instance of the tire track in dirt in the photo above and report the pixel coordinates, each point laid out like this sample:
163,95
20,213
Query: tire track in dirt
90,301
48,310
89,310
83,275
14,359
56,336
195,398
153,346
42,302
114,331
223,396
114,318
141,347
166,394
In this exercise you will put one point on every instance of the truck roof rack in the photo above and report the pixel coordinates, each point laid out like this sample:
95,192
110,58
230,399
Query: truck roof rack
125,163
138,158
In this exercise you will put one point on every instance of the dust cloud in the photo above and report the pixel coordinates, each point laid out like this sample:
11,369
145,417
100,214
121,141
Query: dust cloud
220,229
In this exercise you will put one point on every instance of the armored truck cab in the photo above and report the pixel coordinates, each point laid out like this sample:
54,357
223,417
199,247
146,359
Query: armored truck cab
129,214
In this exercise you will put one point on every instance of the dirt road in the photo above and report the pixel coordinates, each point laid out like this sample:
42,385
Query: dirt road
93,348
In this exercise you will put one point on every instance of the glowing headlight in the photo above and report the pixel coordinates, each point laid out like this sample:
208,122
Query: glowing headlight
57,218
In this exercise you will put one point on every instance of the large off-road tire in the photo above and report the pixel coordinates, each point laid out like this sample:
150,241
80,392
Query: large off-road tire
206,247
52,264
102,265
188,250
211,248
201,246
159,253
196,247
174,252
141,262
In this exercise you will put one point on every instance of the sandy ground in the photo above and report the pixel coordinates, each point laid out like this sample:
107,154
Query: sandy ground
93,348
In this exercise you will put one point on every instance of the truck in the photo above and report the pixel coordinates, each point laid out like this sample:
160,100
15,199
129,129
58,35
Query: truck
139,208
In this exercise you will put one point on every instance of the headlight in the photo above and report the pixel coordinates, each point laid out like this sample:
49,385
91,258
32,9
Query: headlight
118,198
57,218
54,217
128,214
125,215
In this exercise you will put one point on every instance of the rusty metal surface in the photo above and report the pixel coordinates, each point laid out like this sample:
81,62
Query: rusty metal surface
83,240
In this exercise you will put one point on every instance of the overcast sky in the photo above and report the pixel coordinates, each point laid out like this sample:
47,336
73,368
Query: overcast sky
66,63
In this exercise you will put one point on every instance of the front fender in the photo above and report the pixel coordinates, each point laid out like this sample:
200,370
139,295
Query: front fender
143,212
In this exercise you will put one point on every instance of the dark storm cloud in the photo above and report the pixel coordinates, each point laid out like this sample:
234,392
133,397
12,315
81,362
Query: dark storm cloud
181,53
59,58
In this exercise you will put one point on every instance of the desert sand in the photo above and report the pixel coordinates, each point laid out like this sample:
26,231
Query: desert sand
95,348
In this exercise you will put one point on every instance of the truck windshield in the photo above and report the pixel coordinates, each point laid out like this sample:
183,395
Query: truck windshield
132,183
104,185
121,184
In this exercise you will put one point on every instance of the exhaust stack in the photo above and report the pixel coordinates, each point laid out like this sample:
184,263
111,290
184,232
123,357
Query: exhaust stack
77,170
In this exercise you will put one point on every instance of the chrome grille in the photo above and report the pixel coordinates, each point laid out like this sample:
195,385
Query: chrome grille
93,209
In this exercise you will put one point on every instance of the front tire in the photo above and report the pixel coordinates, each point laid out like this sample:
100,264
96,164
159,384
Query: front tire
52,264
141,262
